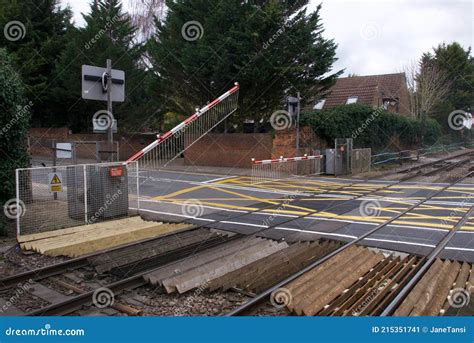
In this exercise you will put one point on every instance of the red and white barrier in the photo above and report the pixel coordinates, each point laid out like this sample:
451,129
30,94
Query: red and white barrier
187,132
279,168
287,159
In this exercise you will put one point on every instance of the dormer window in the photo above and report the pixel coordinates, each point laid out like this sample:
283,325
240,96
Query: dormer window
390,103
319,105
352,100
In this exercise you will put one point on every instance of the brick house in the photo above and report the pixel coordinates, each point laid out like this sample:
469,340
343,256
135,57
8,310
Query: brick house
388,90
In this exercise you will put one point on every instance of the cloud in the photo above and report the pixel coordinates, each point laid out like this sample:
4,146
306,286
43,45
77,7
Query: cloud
381,36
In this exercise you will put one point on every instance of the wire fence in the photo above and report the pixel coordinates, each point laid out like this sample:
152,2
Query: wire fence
285,167
173,143
399,156
361,160
50,198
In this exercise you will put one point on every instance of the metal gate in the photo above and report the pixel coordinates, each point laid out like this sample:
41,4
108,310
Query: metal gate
361,160
283,167
50,198
343,156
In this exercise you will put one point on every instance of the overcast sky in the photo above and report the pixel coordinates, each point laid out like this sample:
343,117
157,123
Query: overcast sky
380,36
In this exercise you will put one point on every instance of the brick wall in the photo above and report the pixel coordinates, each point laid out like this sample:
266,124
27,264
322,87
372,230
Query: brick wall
229,150
284,143
41,140
49,133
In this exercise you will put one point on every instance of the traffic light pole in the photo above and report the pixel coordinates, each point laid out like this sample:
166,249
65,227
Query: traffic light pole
110,133
298,125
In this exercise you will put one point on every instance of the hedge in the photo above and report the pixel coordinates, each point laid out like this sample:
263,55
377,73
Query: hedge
369,127
14,121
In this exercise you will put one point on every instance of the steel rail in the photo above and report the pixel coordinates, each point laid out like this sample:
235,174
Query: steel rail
75,263
58,268
83,261
429,164
241,309
131,280
74,303
429,261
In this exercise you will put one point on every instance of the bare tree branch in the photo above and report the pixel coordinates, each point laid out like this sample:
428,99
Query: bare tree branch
428,85
143,13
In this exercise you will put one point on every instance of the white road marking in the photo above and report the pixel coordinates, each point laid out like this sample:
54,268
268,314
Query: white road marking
461,249
173,214
370,239
315,232
219,179
312,217
244,224
203,206
399,242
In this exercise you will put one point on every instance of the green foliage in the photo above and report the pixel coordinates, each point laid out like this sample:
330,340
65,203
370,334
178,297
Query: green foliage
37,43
458,64
270,47
369,127
108,34
14,121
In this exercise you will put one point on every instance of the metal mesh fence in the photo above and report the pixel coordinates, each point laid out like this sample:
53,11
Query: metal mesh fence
172,144
269,170
52,198
361,160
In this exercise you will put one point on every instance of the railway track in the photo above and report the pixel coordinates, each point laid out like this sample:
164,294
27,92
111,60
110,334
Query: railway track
143,255
434,167
135,272
311,303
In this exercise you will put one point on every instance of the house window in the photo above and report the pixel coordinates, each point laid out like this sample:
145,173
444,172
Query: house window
319,105
390,104
352,100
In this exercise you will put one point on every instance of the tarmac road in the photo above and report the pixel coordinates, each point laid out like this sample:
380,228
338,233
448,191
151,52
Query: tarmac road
311,208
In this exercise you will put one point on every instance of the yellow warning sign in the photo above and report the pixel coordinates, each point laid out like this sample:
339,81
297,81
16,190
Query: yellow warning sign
55,182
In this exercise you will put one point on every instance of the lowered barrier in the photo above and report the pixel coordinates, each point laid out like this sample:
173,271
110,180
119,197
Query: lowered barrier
284,167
